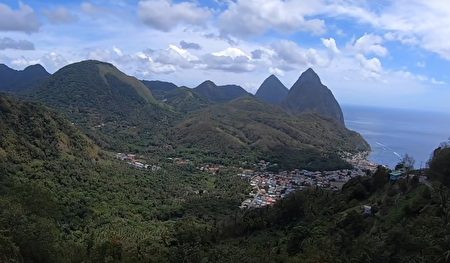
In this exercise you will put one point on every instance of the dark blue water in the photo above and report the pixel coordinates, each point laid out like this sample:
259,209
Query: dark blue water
392,132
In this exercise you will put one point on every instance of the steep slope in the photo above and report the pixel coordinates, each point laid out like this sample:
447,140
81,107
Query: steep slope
159,88
115,109
184,100
272,90
249,126
308,94
180,99
214,93
29,131
19,80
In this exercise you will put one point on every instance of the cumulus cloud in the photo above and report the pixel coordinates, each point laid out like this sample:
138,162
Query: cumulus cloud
60,15
370,44
230,59
189,45
23,19
256,17
425,23
291,56
330,44
372,66
9,43
164,15
175,56
51,61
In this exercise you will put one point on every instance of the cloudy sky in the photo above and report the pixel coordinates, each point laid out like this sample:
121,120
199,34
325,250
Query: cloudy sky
376,53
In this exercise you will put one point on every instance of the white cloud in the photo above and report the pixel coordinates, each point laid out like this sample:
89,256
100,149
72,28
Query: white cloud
425,23
276,71
290,56
24,19
231,59
60,15
330,44
9,43
370,44
372,66
51,61
164,15
231,52
256,17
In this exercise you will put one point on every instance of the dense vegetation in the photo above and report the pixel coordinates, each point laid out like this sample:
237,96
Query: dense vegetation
253,128
116,110
65,198
62,199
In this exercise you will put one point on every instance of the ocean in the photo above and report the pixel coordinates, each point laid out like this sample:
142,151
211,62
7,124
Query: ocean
394,132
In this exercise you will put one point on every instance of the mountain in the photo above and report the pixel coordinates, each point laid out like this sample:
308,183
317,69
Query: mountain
272,90
115,109
184,100
159,88
29,131
214,93
308,94
19,80
247,126
180,99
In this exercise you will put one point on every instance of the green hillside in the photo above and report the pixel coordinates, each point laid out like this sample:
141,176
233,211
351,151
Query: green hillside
116,110
248,127
62,199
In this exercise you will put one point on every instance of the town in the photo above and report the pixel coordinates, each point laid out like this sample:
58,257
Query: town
268,187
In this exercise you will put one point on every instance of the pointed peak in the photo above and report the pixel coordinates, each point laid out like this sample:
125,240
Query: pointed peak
310,76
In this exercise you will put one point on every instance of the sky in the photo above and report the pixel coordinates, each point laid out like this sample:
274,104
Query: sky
376,53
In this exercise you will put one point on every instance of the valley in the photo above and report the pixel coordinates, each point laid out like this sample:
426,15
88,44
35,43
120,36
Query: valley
98,166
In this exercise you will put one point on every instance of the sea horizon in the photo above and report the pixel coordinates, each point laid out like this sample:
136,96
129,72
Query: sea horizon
394,132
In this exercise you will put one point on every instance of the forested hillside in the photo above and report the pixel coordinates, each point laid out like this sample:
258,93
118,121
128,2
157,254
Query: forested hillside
63,199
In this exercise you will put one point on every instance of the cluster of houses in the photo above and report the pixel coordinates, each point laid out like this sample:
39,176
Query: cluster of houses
132,160
213,169
268,187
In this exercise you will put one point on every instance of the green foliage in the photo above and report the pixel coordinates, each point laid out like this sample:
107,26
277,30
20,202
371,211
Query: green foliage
252,128
440,165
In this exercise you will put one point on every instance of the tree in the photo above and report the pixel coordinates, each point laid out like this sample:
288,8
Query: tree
407,162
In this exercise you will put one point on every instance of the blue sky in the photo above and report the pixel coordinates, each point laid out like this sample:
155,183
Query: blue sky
374,53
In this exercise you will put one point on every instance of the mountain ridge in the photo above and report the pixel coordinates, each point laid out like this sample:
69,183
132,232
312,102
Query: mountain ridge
223,93
17,81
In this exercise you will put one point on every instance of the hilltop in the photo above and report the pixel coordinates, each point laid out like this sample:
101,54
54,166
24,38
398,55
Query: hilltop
20,80
117,110
308,94
214,93
272,90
